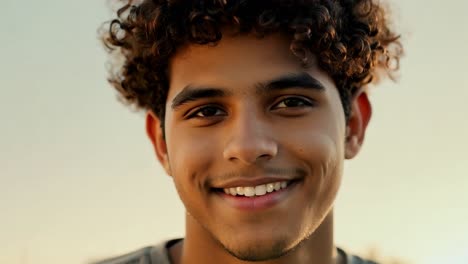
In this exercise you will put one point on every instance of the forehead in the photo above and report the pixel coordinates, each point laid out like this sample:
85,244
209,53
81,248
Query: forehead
236,62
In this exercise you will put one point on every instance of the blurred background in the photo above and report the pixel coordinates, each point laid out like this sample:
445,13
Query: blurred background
79,181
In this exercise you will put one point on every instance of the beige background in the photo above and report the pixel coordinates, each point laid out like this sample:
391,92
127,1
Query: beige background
79,181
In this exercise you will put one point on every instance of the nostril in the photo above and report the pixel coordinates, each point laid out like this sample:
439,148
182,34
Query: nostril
250,151
264,156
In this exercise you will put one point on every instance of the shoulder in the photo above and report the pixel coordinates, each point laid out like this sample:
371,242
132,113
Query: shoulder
141,256
352,259
156,254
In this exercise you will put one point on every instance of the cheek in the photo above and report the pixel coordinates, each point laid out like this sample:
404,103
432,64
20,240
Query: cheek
323,156
321,185
320,148
327,171
189,157
316,140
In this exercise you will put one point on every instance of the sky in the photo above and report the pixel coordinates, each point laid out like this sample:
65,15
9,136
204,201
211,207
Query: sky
79,180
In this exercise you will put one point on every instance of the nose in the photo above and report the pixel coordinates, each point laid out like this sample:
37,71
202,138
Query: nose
250,141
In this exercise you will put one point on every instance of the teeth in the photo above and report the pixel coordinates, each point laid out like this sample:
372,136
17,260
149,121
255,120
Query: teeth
277,186
249,191
259,190
270,187
232,191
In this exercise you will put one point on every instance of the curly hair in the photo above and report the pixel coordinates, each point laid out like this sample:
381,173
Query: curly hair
351,39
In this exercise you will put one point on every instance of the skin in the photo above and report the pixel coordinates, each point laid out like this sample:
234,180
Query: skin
292,134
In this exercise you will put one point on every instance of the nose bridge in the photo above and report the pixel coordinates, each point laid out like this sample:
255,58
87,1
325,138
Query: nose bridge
250,137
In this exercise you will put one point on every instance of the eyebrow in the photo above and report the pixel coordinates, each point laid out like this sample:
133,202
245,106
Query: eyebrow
295,80
301,80
190,93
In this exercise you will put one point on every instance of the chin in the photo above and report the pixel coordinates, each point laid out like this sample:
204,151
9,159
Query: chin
255,249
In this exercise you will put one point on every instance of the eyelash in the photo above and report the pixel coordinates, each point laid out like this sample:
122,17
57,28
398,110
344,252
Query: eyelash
199,110
304,103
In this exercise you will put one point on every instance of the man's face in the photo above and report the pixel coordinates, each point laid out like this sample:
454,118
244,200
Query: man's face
246,114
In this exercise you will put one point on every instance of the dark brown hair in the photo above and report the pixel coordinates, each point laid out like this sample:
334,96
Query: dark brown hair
351,39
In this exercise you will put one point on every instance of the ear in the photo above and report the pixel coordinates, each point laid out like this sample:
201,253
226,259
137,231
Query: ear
361,112
156,135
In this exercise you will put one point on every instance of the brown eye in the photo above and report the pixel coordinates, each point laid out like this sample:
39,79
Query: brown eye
293,102
208,111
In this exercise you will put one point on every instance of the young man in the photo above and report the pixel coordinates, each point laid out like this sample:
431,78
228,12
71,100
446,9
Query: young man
252,107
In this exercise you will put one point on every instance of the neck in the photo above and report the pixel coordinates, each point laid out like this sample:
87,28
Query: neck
200,247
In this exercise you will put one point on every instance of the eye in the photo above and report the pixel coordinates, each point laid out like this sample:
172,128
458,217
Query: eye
293,102
207,111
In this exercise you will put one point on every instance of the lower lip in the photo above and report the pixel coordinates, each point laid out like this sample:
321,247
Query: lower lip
256,203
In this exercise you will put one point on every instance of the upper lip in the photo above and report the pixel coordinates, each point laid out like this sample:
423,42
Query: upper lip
243,182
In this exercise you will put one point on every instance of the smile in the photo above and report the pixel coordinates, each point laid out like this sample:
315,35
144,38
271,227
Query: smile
259,190
257,197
